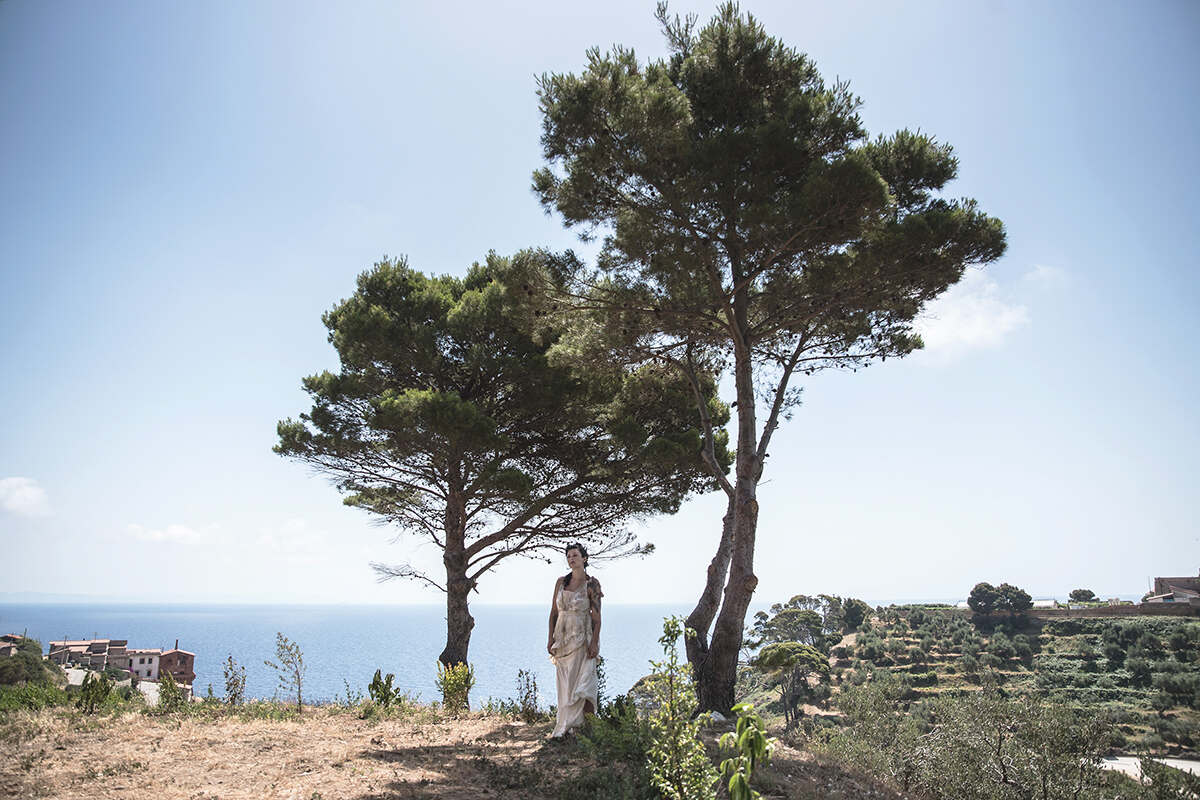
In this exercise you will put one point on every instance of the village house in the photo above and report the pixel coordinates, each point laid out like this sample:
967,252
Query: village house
9,643
1175,590
90,653
144,663
180,664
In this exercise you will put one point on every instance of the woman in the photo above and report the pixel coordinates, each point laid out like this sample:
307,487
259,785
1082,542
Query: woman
574,640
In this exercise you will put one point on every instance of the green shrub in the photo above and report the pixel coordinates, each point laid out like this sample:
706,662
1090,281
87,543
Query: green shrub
619,734
170,697
527,697
881,737
752,750
289,667
929,678
381,692
235,682
26,665
1164,782
93,692
678,766
31,696
455,683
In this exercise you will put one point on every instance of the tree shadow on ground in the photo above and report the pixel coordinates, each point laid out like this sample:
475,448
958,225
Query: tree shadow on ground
514,761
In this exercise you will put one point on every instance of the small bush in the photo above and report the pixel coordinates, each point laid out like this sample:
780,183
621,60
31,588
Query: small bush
93,692
31,696
455,683
170,697
527,697
289,666
619,734
381,692
678,765
752,750
235,682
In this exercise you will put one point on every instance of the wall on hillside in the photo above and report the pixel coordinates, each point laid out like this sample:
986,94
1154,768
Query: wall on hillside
1139,610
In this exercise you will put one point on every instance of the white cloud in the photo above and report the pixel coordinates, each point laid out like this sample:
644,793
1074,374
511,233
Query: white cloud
172,533
294,540
1046,276
971,315
23,496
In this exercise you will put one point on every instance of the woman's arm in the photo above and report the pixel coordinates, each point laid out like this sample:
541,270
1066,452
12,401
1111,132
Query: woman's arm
553,619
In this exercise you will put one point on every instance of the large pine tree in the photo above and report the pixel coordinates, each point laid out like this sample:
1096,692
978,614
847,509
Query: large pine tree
448,420
749,224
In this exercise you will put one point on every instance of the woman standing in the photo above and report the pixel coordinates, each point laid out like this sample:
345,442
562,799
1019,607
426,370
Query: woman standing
574,640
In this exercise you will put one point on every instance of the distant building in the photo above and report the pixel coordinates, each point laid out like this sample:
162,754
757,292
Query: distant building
90,653
9,643
1175,590
144,663
180,663
1047,602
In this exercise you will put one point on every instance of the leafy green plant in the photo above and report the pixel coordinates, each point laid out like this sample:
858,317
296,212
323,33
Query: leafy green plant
235,682
381,692
170,696
1163,782
752,748
93,692
290,667
455,683
353,697
32,696
679,768
527,696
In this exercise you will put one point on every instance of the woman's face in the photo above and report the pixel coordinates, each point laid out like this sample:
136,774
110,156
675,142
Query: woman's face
574,559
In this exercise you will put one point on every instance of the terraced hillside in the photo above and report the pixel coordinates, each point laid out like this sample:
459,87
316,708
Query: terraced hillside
1142,674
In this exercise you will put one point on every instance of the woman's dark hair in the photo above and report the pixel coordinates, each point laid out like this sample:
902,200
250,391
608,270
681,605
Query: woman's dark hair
566,581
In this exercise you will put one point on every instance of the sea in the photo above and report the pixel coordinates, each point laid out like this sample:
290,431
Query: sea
343,645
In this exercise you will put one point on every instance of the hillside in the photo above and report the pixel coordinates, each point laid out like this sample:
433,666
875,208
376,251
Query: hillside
1140,673
332,752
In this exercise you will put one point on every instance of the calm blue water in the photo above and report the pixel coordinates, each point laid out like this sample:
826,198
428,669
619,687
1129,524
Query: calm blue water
351,642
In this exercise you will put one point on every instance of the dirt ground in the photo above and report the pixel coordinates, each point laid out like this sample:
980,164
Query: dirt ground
328,754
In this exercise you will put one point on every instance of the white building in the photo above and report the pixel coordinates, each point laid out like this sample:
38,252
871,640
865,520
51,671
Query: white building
144,663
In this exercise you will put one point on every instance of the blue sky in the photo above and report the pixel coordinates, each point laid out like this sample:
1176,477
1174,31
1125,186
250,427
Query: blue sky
186,187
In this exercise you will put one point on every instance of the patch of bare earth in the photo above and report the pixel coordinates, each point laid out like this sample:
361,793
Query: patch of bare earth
325,755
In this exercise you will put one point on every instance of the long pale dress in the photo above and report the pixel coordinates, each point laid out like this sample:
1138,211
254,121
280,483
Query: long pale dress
575,671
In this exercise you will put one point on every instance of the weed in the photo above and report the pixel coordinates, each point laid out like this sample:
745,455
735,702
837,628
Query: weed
455,683
289,664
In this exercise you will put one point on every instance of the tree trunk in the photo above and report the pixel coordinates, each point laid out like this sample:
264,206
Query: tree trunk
459,621
739,589
701,618
715,683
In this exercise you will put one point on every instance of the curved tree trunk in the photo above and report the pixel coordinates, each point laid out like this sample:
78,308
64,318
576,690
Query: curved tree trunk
718,678
739,589
459,621
701,618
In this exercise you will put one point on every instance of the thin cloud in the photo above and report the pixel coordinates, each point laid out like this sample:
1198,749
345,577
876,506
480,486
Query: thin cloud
970,316
1046,276
295,540
172,533
23,496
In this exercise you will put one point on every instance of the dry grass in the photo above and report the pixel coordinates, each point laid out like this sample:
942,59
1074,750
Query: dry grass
329,753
